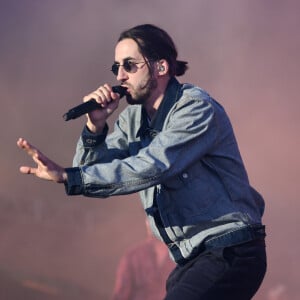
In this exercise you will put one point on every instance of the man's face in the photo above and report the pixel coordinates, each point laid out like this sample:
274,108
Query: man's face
137,78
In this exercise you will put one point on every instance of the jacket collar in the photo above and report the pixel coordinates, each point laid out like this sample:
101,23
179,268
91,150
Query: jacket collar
171,96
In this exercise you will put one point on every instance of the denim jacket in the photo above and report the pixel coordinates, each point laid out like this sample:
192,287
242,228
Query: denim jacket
185,164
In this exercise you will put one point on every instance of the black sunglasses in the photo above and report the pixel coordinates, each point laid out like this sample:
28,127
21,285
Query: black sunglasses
129,67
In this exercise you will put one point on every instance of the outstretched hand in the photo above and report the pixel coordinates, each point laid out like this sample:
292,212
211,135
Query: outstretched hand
46,168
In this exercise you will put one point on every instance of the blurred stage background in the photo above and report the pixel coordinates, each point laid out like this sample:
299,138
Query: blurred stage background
246,53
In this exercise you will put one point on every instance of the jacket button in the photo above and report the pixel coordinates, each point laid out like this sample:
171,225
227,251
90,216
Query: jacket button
185,175
90,141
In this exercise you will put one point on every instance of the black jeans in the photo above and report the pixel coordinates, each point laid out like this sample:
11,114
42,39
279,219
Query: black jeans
233,273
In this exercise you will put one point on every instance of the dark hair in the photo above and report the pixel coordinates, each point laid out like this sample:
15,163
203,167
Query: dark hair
154,43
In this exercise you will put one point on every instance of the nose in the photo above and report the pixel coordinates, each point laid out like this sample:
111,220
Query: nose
122,74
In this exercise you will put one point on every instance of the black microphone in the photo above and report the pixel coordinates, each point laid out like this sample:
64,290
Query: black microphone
90,105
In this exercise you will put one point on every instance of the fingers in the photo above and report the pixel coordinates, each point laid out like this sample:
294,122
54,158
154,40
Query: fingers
27,170
109,102
23,144
46,168
38,157
103,95
32,151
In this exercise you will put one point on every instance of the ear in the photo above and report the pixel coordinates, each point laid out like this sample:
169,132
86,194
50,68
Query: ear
162,67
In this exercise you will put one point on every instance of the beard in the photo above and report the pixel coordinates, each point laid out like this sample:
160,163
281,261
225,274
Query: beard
142,92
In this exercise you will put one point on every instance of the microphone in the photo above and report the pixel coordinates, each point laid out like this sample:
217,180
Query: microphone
90,105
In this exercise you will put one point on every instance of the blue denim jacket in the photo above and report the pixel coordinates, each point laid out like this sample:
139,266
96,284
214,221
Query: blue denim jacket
186,166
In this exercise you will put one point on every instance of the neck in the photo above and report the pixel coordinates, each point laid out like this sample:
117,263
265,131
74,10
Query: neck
153,103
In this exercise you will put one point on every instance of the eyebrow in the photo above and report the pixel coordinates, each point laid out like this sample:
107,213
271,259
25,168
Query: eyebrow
126,59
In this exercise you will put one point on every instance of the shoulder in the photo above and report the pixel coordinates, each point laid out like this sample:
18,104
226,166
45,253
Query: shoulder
191,90
197,96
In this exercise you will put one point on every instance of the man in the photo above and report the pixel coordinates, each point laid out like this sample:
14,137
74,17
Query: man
175,145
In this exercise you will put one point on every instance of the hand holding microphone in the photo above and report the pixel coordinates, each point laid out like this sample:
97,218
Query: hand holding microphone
90,105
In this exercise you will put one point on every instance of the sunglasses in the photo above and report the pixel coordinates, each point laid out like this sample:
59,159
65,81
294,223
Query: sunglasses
129,66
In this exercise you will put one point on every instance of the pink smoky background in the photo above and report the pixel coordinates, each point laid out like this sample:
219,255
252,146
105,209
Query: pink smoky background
245,53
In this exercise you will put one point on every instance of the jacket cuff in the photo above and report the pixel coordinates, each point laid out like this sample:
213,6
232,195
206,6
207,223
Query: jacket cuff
90,139
74,183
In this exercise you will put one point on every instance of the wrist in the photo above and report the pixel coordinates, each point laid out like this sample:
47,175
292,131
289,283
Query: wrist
95,128
64,177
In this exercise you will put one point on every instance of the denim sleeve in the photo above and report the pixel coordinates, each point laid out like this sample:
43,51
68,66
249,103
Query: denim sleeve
87,142
101,148
191,131
74,185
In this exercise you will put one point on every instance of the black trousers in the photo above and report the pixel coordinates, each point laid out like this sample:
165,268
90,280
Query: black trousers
233,273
